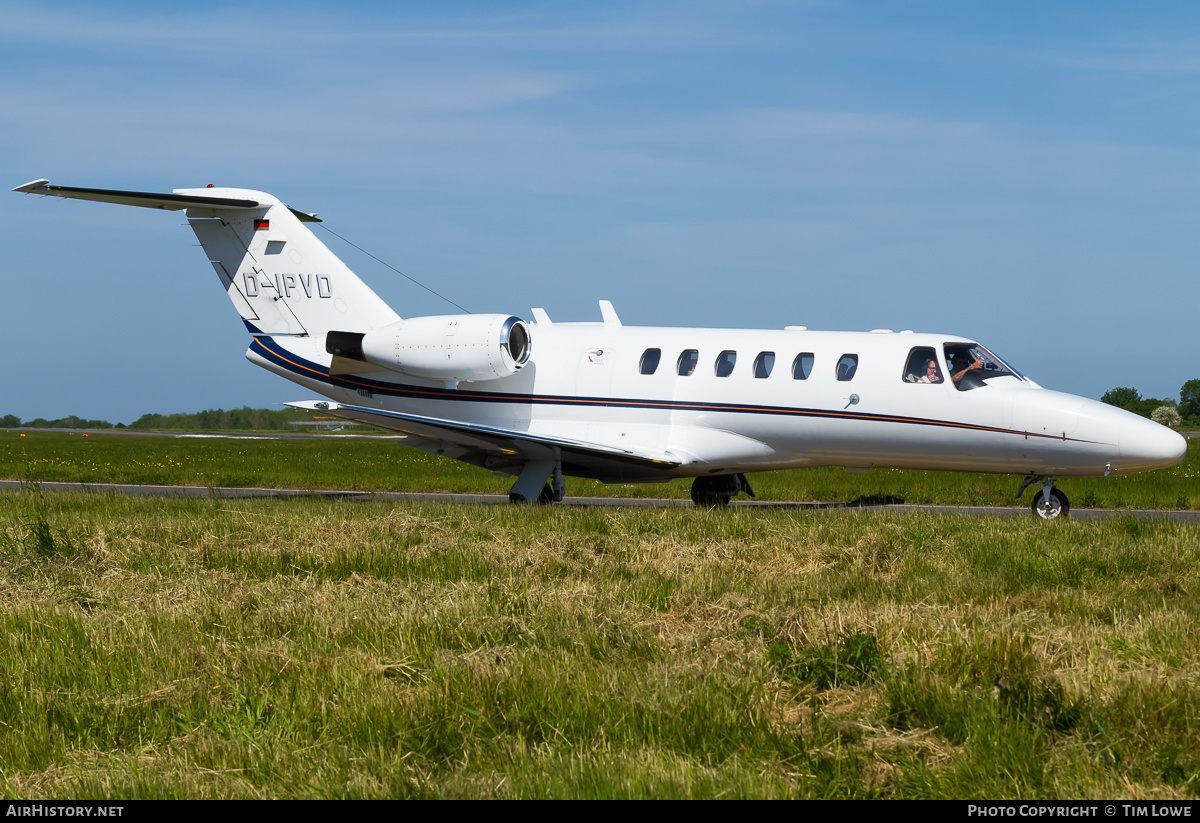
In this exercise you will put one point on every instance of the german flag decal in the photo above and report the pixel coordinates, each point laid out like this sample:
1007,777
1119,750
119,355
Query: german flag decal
262,225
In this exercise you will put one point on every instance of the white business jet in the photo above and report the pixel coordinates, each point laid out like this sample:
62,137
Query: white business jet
542,400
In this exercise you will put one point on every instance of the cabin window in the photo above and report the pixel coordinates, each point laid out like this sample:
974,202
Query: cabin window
923,367
725,361
802,366
687,362
764,363
650,358
847,366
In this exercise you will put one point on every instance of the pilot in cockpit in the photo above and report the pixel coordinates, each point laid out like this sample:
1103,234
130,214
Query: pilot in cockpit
961,363
922,367
932,374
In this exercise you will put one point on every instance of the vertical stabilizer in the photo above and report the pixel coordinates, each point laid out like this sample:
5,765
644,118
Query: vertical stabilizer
281,278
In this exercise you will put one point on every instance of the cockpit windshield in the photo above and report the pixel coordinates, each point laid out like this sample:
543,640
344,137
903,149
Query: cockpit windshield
971,366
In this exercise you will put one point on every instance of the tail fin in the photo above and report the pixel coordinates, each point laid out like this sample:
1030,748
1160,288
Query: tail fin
279,276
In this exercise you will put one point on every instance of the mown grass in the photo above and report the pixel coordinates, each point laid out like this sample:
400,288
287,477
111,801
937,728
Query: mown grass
317,648
378,464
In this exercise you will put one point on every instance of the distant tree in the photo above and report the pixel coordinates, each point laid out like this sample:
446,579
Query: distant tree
209,419
1189,399
10,421
239,418
1147,407
1166,415
1130,399
71,421
1122,397
150,420
221,420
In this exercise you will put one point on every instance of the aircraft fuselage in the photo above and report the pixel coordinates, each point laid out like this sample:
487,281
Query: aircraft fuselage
585,382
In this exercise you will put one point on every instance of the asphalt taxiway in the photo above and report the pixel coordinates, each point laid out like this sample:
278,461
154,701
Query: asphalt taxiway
227,492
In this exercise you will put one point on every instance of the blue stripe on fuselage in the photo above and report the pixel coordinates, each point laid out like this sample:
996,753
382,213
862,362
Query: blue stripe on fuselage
272,351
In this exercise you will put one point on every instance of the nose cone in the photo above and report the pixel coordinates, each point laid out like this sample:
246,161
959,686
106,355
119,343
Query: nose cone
1146,445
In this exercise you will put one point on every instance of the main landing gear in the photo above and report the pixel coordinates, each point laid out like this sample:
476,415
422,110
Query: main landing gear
714,492
545,497
532,486
533,476
1049,503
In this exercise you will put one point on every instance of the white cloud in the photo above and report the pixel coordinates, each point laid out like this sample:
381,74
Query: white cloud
1161,56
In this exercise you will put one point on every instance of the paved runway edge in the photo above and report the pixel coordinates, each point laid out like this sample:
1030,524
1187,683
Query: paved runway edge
644,502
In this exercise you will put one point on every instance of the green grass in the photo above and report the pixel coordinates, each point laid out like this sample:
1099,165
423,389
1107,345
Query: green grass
374,464
324,648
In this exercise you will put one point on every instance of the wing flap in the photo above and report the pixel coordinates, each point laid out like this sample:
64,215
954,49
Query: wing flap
502,449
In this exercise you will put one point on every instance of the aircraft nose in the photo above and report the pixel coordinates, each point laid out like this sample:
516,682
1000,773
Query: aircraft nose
1147,445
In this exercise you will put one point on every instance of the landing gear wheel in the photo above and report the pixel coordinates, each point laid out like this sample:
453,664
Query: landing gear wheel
544,498
708,499
708,492
1057,506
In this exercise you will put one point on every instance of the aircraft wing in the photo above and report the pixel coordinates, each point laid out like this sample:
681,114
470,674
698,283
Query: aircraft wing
504,450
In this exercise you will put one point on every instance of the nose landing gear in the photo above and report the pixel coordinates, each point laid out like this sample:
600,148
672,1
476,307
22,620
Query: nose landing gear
1049,503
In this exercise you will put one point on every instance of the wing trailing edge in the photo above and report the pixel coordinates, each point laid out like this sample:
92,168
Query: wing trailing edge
506,451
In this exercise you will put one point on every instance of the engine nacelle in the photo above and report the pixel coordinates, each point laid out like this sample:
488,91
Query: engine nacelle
466,347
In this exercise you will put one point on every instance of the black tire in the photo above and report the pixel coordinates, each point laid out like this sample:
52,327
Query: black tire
1059,506
544,498
706,495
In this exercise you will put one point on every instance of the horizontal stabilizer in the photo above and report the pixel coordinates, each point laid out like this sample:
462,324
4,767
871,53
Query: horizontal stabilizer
280,278
152,200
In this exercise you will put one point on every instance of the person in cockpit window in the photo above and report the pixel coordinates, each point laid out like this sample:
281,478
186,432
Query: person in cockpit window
961,363
932,374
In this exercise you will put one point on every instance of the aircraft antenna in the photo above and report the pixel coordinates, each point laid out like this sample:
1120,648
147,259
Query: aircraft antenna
393,268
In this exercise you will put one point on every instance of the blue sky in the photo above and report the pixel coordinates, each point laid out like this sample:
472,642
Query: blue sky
1025,174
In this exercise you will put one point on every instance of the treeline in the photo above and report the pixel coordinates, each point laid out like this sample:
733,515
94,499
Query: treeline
1168,411
11,421
243,419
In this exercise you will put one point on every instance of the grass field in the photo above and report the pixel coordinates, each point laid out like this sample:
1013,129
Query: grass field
377,464
317,648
